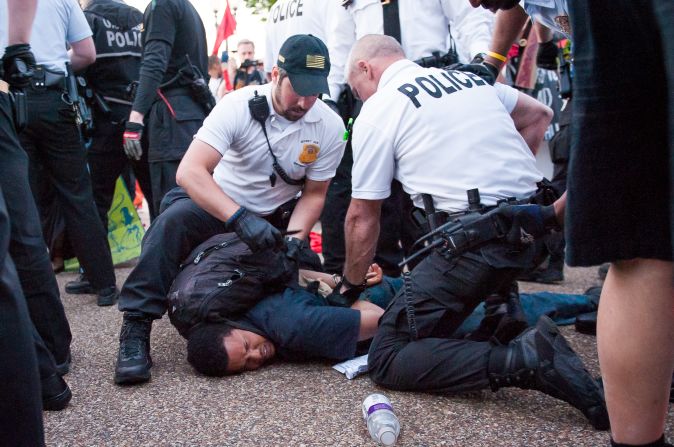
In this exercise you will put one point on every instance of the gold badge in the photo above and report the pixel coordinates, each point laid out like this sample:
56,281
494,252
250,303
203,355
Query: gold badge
309,153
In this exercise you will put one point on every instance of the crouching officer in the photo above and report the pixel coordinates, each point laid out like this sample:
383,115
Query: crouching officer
172,98
260,148
438,132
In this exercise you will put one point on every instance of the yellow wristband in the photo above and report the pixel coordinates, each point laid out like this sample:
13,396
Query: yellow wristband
500,57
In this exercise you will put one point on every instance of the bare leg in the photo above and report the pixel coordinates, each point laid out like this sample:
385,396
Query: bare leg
635,337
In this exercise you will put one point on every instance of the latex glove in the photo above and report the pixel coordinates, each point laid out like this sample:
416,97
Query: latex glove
18,63
256,232
133,132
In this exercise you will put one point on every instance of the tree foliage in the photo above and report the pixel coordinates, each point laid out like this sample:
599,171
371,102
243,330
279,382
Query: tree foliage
260,6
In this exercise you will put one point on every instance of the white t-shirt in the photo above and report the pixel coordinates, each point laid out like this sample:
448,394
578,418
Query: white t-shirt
552,13
56,22
440,133
289,17
423,30
312,146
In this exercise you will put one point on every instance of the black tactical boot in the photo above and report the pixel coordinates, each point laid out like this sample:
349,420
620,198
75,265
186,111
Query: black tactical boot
540,359
79,286
55,393
134,361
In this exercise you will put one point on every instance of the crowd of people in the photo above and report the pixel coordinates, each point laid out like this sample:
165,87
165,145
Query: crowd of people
391,124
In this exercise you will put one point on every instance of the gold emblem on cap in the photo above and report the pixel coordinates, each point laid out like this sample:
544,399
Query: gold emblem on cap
309,153
315,61
281,58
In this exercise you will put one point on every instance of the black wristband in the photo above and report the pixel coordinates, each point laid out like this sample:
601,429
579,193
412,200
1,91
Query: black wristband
351,285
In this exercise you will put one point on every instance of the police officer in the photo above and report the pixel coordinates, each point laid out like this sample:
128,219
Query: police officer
422,27
52,138
116,29
259,149
287,18
175,60
489,133
20,418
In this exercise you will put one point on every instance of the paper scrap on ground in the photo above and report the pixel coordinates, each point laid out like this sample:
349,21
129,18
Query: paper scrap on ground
354,367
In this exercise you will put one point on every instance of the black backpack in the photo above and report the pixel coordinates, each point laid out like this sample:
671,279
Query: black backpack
222,279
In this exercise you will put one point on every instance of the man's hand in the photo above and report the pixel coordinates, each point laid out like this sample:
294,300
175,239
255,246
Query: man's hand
548,56
133,133
256,232
343,299
478,66
374,275
18,64
294,247
528,222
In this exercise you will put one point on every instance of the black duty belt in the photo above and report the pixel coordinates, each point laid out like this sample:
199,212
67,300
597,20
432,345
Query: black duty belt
44,78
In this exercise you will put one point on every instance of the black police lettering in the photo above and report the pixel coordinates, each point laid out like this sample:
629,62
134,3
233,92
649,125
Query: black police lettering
287,10
447,81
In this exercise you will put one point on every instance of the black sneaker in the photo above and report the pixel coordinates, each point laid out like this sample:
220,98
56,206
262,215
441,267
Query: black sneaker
587,323
107,296
541,359
55,393
80,286
543,276
63,368
133,360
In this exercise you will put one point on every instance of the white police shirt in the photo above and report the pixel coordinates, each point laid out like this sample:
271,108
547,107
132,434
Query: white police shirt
423,30
441,133
552,13
289,17
56,22
311,146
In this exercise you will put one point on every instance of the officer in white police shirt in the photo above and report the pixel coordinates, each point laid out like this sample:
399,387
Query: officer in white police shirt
52,140
440,133
289,17
422,27
259,149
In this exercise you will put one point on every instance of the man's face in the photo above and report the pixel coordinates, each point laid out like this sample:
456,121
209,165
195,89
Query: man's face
247,350
287,102
362,82
494,5
246,51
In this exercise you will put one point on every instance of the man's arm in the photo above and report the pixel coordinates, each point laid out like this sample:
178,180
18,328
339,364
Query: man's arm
369,318
22,13
156,55
195,174
532,119
82,53
308,208
472,27
507,28
361,229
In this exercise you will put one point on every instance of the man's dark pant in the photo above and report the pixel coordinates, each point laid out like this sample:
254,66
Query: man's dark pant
27,246
418,353
52,140
108,161
179,228
20,405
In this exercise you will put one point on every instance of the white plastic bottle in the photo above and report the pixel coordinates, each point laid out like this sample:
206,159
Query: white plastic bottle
382,422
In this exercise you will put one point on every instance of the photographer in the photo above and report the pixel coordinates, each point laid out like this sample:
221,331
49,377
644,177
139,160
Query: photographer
247,74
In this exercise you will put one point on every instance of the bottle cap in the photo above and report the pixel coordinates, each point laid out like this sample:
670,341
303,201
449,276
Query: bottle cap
387,436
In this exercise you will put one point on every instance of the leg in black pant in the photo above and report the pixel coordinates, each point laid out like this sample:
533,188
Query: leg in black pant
52,139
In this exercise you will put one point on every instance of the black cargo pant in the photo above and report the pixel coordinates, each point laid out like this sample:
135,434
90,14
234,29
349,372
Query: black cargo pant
52,141
170,126
108,161
179,228
27,246
20,405
415,350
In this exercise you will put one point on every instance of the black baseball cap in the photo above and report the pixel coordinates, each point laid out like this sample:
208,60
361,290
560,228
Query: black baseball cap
306,59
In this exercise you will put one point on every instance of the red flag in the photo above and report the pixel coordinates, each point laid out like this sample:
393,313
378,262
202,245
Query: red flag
225,29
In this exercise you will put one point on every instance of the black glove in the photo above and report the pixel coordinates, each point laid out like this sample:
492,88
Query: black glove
256,232
528,222
18,64
133,133
548,55
294,247
345,299
478,66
